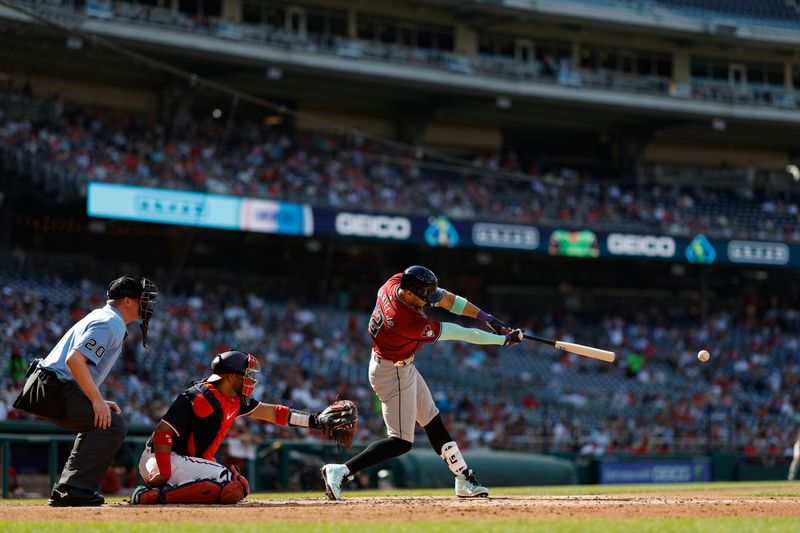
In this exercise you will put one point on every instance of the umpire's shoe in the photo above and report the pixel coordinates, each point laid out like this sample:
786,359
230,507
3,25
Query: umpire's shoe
67,496
333,476
467,486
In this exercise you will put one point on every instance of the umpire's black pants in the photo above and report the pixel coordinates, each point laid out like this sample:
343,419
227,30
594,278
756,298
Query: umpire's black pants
65,405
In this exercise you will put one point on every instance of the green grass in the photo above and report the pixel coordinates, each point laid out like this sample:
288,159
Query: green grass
682,525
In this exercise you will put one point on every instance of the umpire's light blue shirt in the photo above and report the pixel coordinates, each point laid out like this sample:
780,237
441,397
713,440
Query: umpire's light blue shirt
98,336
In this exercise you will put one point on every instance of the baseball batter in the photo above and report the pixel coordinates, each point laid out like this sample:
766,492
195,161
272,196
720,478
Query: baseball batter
64,388
399,327
178,463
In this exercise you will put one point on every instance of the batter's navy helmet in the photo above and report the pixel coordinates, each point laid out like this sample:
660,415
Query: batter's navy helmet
240,363
422,282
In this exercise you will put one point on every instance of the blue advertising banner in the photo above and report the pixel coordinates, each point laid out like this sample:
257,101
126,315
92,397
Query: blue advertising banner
108,200
269,216
667,471
163,206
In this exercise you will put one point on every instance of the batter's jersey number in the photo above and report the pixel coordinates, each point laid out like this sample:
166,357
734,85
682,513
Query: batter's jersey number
90,345
375,321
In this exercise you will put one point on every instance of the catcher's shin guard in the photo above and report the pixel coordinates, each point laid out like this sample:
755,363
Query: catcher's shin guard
200,491
146,496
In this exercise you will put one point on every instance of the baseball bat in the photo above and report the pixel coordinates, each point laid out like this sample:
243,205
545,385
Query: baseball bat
580,349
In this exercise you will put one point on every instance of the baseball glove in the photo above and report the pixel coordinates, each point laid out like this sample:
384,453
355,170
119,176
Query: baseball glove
339,422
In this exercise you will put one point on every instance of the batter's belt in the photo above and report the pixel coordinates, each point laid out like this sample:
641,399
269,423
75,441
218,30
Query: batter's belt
398,364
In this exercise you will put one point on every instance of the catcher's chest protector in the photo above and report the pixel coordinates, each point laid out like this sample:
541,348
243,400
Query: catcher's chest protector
205,420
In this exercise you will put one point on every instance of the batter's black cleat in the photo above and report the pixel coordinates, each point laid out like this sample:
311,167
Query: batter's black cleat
66,496
467,486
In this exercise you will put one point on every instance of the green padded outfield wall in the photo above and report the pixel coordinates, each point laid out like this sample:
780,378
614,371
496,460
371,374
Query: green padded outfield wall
423,468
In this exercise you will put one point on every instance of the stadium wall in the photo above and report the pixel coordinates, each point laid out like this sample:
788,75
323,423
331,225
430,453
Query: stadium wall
94,93
423,468
714,156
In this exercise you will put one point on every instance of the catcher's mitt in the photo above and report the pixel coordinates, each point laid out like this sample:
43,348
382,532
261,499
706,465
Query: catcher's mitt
339,422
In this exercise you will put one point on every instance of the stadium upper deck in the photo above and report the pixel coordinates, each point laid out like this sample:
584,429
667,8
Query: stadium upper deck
632,55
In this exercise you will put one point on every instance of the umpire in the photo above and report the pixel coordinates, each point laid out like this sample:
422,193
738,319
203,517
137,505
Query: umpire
63,388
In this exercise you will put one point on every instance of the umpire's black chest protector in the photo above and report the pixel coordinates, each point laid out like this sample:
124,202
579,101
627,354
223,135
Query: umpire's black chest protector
205,426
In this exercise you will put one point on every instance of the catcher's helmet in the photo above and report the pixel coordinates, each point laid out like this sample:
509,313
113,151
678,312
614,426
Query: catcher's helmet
141,289
422,282
240,363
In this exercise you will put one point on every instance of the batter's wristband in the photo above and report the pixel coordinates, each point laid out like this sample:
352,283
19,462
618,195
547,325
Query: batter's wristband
458,305
484,316
301,419
282,415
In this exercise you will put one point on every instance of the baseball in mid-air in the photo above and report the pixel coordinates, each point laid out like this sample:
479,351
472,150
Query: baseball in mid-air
703,355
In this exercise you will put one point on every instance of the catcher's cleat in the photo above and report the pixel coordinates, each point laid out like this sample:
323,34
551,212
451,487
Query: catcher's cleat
68,496
467,486
333,476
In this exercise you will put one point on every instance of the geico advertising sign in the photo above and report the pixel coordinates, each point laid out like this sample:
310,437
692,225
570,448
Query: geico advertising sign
641,245
505,236
761,253
382,227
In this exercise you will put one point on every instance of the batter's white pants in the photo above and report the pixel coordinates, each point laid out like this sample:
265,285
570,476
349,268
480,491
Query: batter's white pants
405,397
184,468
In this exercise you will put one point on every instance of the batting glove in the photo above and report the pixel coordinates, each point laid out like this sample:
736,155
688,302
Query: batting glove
513,337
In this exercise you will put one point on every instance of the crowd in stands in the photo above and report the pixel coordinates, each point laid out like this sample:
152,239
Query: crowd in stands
657,398
246,158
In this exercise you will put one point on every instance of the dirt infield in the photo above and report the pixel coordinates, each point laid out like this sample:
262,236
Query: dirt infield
706,504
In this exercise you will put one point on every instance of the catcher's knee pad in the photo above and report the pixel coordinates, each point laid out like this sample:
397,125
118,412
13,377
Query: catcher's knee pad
146,496
236,489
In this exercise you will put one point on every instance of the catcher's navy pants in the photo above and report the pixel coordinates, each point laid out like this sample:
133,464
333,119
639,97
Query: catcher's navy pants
65,405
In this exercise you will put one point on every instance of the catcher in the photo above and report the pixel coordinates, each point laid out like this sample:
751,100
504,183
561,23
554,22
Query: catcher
178,463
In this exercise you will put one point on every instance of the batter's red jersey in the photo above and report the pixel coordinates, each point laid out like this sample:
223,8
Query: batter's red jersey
397,329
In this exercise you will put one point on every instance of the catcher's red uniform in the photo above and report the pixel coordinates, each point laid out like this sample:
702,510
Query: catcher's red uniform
201,417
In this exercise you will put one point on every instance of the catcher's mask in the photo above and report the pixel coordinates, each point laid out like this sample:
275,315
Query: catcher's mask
141,289
240,363
422,282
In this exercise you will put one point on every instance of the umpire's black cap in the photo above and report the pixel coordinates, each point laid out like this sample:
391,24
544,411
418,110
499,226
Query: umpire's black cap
125,286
